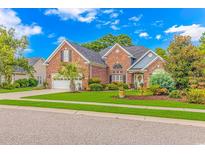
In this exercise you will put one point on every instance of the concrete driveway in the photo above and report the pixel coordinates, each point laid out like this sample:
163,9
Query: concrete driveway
22,126
18,95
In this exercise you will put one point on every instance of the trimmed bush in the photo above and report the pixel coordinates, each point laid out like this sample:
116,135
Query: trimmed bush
112,86
16,85
96,87
23,83
157,90
94,80
121,84
175,94
32,82
196,96
163,79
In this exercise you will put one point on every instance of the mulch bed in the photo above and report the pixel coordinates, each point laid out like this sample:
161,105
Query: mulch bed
133,97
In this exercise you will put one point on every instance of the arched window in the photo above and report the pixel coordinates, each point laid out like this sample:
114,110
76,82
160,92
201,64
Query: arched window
117,66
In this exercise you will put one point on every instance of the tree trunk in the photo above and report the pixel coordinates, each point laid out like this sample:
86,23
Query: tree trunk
72,85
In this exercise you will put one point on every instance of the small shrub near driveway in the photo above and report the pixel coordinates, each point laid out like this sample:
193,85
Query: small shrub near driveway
31,82
96,87
175,94
196,96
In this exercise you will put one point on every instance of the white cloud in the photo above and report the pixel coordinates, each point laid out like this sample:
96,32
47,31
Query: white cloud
52,35
194,30
60,39
114,27
108,11
158,23
158,37
135,18
114,15
9,19
79,14
114,24
144,34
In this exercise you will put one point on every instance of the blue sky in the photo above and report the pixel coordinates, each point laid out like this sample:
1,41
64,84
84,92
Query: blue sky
148,27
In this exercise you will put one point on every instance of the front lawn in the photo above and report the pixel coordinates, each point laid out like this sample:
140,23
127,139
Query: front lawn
108,97
121,110
15,90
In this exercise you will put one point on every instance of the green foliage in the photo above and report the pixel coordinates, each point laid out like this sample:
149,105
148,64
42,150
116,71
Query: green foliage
6,85
184,61
157,90
16,85
161,52
94,80
32,82
196,96
112,86
121,84
163,79
10,48
108,40
22,82
96,87
175,94
70,71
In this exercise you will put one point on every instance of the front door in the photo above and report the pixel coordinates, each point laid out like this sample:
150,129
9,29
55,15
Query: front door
138,80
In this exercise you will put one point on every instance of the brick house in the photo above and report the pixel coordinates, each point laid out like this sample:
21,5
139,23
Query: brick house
132,65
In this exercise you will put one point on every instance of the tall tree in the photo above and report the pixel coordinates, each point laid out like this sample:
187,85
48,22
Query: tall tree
161,52
11,53
202,43
185,61
70,71
108,40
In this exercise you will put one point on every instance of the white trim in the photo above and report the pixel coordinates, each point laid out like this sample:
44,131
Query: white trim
57,49
113,48
143,57
150,62
138,60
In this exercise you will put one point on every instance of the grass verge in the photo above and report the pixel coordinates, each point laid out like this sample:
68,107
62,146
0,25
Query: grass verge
16,90
121,110
107,97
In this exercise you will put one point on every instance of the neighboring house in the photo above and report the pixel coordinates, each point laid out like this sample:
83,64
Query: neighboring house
39,74
132,65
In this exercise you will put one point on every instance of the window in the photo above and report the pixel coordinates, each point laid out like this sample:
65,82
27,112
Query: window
117,78
39,78
65,55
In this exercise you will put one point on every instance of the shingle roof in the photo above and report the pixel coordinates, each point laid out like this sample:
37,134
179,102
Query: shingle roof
135,51
89,54
31,61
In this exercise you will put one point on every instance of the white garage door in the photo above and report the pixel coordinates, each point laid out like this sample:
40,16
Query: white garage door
65,84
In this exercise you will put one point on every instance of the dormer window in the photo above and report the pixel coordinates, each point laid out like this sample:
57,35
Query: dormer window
65,55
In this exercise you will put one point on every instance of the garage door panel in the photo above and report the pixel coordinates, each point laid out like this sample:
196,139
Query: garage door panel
65,84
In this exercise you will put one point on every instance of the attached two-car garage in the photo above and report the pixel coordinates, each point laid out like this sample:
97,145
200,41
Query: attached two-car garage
61,83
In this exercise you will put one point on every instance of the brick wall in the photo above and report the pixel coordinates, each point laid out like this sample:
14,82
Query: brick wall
100,72
55,65
117,55
158,64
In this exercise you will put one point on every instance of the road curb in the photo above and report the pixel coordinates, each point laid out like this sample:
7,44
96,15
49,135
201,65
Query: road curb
110,115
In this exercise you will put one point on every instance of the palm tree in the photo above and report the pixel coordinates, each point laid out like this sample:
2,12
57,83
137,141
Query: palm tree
70,71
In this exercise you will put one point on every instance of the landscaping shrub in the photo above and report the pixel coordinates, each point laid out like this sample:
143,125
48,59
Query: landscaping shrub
163,79
94,80
112,86
32,82
96,87
196,96
6,85
175,94
23,83
16,85
121,84
157,90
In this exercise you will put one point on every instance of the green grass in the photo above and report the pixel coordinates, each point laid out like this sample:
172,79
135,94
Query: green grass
107,97
108,109
15,90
